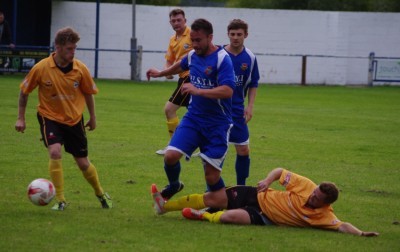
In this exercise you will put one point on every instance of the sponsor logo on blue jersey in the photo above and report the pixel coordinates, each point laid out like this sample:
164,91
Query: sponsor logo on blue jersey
239,80
199,82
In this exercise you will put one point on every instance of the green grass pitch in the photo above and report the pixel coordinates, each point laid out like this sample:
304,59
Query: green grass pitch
348,135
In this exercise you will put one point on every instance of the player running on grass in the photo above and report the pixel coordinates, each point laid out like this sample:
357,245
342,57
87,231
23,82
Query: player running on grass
246,78
65,86
302,204
179,45
208,120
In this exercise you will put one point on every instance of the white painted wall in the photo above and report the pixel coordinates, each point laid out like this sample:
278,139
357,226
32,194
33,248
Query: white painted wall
271,32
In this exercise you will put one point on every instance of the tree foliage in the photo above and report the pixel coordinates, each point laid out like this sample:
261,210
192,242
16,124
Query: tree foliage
323,5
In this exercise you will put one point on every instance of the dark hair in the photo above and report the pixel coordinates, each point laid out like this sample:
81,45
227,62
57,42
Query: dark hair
66,34
238,24
175,12
202,24
330,190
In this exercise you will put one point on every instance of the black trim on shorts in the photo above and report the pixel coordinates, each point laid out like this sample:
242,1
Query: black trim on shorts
177,97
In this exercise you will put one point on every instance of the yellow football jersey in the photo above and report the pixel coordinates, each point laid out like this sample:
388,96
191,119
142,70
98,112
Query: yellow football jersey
178,48
61,96
288,207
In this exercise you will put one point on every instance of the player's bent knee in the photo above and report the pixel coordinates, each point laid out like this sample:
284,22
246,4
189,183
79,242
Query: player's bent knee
217,199
243,150
215,183
171,157
55,151
82,162
211,180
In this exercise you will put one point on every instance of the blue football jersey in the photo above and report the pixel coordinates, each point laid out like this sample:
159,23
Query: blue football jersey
246,76
208,72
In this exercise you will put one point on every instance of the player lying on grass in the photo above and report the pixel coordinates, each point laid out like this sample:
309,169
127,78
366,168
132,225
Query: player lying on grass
302,204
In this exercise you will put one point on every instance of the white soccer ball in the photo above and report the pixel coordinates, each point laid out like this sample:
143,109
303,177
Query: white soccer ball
41,192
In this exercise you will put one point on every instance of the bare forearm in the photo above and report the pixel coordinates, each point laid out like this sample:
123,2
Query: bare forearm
155,73
168,64
251,96
22,102
90,104
272,176
248,111
20,125
350,229
91,123
171,69
221,92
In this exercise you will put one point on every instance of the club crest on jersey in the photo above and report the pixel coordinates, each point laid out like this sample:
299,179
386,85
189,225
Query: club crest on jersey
244,66
208,70
287,179
76,84
186,46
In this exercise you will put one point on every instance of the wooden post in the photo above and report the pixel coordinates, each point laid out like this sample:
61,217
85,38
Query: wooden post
303,70
371,69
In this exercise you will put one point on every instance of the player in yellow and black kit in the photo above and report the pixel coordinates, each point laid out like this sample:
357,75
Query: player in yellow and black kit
64,87
302,204
179,45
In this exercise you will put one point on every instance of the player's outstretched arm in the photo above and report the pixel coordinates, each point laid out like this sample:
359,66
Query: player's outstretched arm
152,72
155,73
350,229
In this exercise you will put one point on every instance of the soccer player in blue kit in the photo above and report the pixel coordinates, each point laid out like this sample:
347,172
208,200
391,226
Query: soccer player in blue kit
207,123
246,78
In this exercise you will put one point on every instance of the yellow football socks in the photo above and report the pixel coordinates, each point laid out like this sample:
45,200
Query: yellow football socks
91,176
193,201
57,177
213,217
172,124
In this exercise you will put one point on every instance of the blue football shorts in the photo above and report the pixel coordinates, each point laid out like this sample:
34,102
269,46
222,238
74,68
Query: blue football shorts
239,134
212,141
